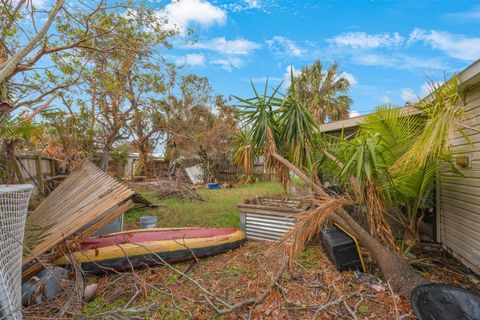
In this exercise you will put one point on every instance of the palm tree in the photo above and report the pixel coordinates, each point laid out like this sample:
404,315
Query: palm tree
282,129
323,92
365,170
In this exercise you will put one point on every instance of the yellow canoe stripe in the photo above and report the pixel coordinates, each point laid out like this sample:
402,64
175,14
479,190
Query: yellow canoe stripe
133,249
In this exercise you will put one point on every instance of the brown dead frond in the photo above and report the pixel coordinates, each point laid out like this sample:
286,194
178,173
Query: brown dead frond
376,213
282,172
308,225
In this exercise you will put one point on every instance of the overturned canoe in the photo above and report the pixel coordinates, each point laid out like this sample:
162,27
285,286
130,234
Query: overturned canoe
146,247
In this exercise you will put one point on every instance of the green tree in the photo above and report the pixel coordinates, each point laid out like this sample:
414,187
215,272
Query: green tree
121,76
323,92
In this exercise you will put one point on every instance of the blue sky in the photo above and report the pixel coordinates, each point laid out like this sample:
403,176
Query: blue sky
388,49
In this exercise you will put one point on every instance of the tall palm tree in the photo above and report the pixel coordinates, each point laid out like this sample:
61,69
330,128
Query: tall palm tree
324,92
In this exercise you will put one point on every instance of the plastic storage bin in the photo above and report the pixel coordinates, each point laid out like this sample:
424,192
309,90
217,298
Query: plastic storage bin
341,248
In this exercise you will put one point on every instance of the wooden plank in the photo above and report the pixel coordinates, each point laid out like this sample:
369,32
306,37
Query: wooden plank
36,267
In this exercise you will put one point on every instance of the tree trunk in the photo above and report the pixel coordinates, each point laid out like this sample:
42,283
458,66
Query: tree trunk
105,158
142,161
10,161
396,270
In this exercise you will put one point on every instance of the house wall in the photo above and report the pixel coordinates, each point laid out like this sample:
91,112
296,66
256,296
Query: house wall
458,198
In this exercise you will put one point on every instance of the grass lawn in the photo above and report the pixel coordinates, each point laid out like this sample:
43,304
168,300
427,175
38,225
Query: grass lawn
218,210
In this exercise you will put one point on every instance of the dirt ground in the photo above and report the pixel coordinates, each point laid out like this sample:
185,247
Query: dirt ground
311,288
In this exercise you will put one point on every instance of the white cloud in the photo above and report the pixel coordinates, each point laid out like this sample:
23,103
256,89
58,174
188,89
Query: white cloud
471,15
284,46
399,61
263,80
192,59
287,76
244,5
427,87
228,63
354,113
385,99
408,95
454,45
233,47
348,76
254,4
362,40
181,14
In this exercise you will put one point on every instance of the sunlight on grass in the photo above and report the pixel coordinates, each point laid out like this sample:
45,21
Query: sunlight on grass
218,210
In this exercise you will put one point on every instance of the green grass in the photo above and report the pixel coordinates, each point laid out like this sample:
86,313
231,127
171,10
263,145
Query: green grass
217,211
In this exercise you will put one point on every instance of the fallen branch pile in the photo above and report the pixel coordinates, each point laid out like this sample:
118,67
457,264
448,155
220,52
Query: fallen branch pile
245,284
171,188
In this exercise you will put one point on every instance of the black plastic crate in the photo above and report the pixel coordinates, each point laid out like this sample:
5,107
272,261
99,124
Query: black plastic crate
341,248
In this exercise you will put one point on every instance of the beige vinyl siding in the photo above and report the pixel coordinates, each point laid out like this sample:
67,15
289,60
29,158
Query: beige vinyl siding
458,212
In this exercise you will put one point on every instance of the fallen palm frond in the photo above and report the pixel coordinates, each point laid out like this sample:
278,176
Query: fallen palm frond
308,225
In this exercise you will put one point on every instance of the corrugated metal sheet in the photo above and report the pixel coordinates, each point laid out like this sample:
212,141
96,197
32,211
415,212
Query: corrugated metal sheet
458,198
268,223
267,227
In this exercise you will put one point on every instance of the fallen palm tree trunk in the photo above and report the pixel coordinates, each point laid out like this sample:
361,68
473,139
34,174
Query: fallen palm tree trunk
86,201
396,270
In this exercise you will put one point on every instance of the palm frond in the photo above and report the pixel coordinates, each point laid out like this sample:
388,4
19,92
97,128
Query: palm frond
444,111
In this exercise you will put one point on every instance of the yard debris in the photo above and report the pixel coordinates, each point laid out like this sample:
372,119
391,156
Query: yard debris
47,284
86,201
372,281
195,174
168,188
89,292
242,284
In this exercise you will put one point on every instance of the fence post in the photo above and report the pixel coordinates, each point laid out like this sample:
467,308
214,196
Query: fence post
39,167
52,167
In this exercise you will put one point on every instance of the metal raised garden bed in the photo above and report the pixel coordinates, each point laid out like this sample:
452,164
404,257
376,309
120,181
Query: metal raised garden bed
268,218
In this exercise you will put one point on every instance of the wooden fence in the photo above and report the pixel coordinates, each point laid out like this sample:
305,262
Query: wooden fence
38,170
